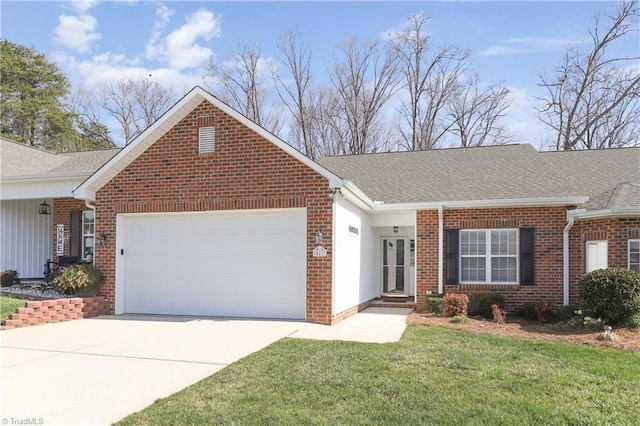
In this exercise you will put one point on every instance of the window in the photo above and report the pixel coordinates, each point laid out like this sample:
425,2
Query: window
634,255
489,256
88,235
597,253
206,139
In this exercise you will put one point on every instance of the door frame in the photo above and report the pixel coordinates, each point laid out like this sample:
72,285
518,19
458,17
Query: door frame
408,281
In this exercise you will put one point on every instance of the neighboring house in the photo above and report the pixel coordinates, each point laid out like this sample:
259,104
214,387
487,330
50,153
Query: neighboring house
207,213
35,195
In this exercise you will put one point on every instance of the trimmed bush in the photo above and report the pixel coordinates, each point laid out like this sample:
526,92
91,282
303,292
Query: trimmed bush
434,305
529,311
566,313
459,319
456,304
79,280
499,314
612,294
9,278
545,311
480,304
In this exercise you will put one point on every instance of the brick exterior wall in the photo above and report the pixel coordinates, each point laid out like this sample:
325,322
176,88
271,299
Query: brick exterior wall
245,172
548,222
617,232
48,311
62,208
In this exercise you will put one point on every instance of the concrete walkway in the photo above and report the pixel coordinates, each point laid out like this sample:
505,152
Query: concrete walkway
96,371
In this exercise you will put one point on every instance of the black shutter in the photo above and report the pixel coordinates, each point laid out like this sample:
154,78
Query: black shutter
452,256
527,268
75,233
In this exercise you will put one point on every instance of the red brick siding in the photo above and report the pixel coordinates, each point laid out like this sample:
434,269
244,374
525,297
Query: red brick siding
548,223
62,208
245,172
617,232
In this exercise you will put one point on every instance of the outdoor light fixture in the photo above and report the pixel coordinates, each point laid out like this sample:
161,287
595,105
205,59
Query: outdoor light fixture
44,208
102,238
319,236
395,229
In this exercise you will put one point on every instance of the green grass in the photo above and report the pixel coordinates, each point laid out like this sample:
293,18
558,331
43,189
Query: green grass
8,305
433,376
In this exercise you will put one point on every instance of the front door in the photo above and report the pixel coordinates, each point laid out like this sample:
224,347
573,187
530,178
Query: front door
395,270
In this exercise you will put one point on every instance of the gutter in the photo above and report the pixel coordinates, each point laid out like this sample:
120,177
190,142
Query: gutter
45,177
621,212
440,249
510,202
571,215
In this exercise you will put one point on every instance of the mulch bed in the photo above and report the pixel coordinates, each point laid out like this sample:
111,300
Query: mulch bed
628,339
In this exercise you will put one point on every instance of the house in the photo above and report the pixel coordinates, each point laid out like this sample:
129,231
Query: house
207,213
36,193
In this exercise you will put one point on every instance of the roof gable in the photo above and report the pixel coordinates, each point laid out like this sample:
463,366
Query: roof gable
168,120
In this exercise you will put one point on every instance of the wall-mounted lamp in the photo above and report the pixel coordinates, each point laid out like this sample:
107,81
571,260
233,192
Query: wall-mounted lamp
319,235
102,238
44,208
395,229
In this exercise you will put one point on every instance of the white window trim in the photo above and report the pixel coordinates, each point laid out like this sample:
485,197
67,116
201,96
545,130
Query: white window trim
488,256
586,256
84,235
634,240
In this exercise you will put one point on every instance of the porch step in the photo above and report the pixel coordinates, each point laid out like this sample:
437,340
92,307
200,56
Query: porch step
394,300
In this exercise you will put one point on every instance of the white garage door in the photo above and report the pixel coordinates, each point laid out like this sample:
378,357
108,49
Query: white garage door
243,264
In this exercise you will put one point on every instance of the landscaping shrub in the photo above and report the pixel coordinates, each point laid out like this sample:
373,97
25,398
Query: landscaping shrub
80,280
529,311
434,305
499,314
480,304
566,313
612,294
545,311
460,319
456,304
634,322
9,278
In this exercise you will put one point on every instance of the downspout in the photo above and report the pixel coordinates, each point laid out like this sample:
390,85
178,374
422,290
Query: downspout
565,257
440,249
92,206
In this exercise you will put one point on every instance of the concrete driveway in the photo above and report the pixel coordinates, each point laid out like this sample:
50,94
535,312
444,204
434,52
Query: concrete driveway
97,371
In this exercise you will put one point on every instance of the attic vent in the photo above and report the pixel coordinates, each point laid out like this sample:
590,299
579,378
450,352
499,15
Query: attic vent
206,139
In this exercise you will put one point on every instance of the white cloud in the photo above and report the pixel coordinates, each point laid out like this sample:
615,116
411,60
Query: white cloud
182,51
518,45
76,32
82,6
154,48
522,119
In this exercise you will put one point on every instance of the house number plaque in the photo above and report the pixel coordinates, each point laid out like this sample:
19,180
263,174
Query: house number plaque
319,252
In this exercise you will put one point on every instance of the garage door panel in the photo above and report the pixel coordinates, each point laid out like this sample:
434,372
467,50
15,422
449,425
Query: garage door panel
217,264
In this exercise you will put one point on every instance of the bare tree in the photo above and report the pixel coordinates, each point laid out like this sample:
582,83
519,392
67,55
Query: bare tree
296,91
244,80
92,133
135,104
363,81
592,99
430,78
476,111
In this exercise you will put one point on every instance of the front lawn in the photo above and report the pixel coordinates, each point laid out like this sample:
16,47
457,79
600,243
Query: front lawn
8,305
433,375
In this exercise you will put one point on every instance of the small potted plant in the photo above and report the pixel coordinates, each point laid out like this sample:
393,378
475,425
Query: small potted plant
88,255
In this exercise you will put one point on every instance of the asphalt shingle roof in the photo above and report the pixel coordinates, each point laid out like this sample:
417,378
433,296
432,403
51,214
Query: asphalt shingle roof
494,173
20,160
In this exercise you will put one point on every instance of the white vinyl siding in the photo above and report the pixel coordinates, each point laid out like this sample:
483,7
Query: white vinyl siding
26,237
634,255
597,253
489,256
206,139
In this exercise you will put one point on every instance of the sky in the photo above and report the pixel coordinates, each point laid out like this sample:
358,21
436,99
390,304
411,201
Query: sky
97,42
